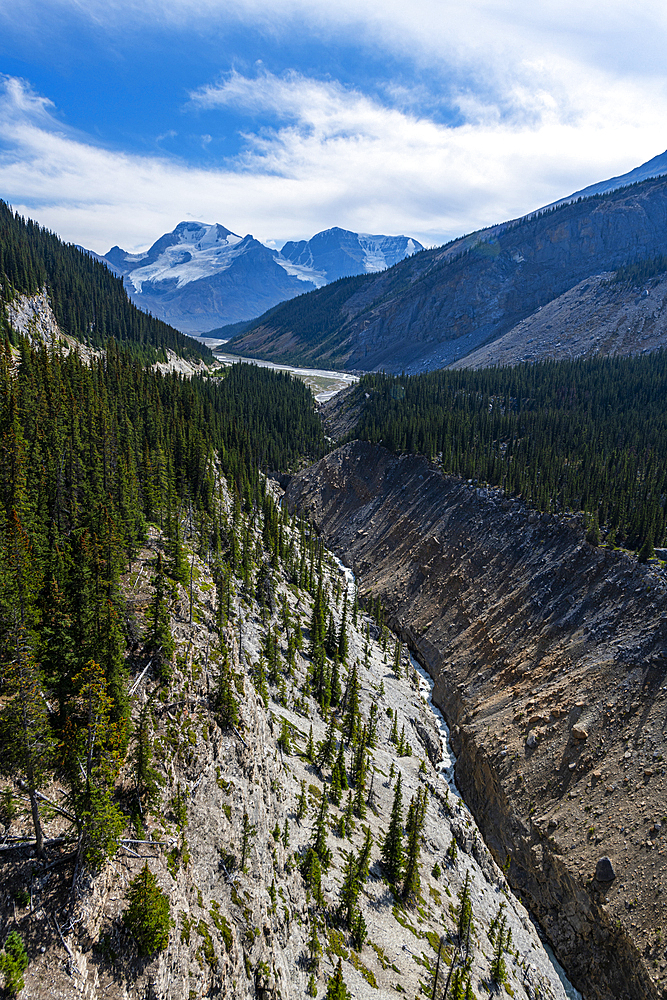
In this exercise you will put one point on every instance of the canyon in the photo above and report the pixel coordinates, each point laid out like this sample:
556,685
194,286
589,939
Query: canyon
549,658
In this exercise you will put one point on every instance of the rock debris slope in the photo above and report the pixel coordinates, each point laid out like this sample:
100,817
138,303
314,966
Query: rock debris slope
597,317
246,921
549,658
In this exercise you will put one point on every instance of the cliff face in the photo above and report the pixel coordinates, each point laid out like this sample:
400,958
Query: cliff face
436,307
549,659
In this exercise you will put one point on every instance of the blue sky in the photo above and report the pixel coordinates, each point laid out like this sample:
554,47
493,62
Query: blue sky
118,120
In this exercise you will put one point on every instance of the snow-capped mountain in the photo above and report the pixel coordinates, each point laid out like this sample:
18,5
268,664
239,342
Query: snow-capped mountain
339,253
200,276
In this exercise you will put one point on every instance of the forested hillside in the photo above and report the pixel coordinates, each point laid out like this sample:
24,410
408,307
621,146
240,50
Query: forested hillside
585,435
89,302
88,457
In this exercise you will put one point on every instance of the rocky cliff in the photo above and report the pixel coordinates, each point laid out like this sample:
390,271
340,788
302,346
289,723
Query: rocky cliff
549,659
246,922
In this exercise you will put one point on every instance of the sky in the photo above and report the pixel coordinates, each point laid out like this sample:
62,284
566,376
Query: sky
282,118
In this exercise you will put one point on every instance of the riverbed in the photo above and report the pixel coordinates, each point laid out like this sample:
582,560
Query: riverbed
323,384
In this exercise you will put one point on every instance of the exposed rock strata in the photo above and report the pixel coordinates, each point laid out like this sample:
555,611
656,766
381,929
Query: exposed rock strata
528,632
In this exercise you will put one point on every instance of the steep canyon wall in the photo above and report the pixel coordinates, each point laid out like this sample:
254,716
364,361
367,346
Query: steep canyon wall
549,658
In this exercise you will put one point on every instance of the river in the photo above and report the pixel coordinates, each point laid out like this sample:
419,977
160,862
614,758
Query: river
323,383
446,767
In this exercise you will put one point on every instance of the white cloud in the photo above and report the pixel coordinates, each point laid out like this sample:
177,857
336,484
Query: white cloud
336,157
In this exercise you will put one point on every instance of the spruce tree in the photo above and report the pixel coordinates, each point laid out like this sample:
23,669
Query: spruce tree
392,847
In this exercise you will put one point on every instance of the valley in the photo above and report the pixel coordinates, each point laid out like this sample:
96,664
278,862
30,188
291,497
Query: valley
549,659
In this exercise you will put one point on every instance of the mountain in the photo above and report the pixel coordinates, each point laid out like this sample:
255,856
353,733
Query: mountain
339,253
200,276
439,305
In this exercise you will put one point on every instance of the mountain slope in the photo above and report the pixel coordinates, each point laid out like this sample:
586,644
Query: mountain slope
600,316
200,277
88,301
436,307
655,167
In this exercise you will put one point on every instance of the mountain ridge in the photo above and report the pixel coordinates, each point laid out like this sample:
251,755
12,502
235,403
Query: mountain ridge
199,276
436,307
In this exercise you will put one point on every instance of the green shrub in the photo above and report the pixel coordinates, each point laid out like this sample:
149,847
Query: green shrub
13,963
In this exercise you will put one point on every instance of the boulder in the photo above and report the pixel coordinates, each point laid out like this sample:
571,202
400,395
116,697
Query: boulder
604,870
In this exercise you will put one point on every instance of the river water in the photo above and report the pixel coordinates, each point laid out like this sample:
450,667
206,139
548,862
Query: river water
447,764
323,383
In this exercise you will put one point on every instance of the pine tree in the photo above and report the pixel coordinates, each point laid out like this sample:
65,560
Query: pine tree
92,756
340,767
159,641
498,967
284,740
13,963
359,931
311,869
148,914
247,836
335,683
398,649
335,790
319,841
342,634
364,859
349,890
351,714
310,748
464,914
336,988
327,749
414,825
146,776
314,948
302,804
224,699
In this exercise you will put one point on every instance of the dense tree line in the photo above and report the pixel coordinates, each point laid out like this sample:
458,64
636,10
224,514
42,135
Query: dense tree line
585,435
89,302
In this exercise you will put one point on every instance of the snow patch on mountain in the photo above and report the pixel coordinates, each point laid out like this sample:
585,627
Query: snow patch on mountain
196,251
303,272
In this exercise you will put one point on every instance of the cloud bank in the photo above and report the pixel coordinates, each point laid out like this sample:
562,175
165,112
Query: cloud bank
539,102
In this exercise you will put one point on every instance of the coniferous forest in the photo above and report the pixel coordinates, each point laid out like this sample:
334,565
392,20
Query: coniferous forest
89,455
587,435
